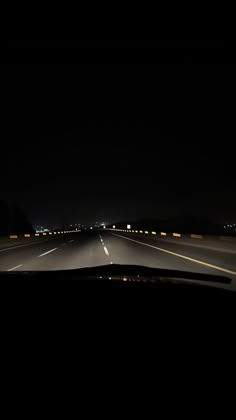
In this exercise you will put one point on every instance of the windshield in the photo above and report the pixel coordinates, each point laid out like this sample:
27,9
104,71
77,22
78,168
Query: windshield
115,152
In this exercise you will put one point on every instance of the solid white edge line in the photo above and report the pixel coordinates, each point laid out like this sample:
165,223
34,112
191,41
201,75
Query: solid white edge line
20,246
48,252
14,268
225,270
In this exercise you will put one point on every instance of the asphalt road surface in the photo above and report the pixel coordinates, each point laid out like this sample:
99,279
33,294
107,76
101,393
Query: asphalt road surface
93,248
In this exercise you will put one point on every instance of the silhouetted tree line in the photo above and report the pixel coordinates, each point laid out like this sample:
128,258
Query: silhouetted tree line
13,220
184,224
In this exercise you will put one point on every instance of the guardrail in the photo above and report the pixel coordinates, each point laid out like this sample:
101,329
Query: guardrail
135,232
33,235
172,235
37,234
146,232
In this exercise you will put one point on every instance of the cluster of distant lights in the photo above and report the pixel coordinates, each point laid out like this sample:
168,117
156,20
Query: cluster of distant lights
97,224
230,226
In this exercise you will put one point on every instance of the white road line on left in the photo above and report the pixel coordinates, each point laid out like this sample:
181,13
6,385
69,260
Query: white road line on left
14,268
21,246
48,252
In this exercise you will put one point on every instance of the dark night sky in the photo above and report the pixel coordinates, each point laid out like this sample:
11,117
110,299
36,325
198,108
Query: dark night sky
86,117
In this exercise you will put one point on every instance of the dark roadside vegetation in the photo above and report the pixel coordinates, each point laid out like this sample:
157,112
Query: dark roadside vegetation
184,224
13,220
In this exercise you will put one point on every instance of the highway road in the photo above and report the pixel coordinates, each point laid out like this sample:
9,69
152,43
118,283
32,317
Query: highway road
93,248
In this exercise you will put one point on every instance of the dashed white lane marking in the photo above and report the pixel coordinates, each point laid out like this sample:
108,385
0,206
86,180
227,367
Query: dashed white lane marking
14,268
215,267
63,244
48,252
106,250
72,240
